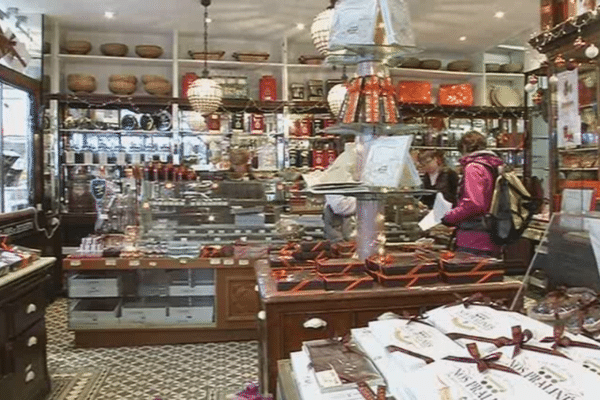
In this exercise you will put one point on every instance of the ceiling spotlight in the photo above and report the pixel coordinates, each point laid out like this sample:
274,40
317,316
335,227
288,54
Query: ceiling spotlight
499,14
300,26
208,20
462,38
109,14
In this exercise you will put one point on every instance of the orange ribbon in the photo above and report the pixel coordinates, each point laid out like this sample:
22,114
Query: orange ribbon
351,106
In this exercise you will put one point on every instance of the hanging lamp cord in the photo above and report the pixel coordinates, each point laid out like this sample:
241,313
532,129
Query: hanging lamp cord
205,3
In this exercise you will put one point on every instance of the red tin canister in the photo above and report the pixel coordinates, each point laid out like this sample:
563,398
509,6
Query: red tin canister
213,122
258,123
186,82
306,127
268,88
318,158
331,156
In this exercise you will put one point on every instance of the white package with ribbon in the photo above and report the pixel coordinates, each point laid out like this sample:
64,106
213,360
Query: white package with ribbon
450,380
558,377
415,337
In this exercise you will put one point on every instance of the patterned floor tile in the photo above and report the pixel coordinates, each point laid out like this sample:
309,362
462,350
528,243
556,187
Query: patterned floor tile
170,372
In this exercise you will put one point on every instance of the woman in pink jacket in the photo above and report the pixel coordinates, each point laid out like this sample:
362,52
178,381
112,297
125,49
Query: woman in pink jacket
474,196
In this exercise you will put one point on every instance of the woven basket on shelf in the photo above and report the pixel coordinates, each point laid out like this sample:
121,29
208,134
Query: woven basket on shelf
121,87
81,83
148,51
121,77
114,49
78,47
158,88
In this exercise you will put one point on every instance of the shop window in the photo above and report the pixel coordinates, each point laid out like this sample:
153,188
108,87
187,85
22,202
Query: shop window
16,148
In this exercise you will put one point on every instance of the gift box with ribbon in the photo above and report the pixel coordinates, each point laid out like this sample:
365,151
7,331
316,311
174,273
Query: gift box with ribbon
370,99
456,95
414,92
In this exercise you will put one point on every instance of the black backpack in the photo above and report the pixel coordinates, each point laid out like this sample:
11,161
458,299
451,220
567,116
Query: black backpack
511,210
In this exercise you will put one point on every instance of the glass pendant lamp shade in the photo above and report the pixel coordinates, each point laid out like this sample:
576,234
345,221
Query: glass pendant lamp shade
335,98
205,95
320,30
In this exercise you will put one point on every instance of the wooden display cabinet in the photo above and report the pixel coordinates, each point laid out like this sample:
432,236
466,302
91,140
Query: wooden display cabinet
282,324
232,292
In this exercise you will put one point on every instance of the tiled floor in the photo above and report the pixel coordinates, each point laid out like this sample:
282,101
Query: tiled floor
172,372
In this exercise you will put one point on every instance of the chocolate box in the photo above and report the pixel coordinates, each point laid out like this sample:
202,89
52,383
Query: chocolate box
406,280
310,255
347,282
344,249
402,264
321,245
473,277
464,262
298,280
340,265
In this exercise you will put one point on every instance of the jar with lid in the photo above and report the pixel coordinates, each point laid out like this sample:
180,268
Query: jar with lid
315,90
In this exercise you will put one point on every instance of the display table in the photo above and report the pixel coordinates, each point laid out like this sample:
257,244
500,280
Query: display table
282,327
24,295
141,301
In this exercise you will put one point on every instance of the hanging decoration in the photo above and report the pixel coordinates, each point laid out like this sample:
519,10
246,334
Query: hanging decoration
541,39
205,95
591,51
559,61
321,29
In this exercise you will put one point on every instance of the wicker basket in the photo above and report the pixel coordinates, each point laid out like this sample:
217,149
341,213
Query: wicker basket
493,67
121,87
158,88
78,47
81,83
460,65
114,49
251,56
151,78
125,78
148,51
211,55
431,64
513,68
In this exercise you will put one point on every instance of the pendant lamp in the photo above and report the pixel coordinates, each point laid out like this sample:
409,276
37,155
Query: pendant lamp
337,94
320,30
205,94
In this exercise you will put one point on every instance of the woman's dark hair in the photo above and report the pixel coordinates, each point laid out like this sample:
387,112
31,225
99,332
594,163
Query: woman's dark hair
435,154
471,141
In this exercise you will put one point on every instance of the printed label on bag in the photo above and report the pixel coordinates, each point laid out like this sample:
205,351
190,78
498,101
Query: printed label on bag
244,262
215,261
111,262
228,261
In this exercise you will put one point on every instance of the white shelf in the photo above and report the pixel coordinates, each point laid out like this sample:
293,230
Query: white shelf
506,76
580,149
87,59
228,64
116,132
432,73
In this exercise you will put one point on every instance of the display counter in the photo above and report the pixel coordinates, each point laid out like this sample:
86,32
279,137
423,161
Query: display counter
283,325
24,295
152,300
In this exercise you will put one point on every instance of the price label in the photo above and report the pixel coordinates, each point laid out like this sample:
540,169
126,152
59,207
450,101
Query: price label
243,238
268,239
217,239
192,232
244,262
211,231
121,158
163,158
70,157
103,158
111,262
75,263
221,231
228,261
238,231
176,159
261,231
248,230
182,261
183,239
134,263
215,261
152,263
88,157
136,158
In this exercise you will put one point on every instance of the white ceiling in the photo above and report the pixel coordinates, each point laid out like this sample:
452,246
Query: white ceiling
438,24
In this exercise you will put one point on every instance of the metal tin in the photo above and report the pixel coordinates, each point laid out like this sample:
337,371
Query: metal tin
306,127
213,122
237,123
315,90
258,123
297,91
268,88
318,158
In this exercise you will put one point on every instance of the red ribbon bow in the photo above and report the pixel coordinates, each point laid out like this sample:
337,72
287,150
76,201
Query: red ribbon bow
519,338
371,91
558,340
419,317
350,106
477,299
483,363
389,101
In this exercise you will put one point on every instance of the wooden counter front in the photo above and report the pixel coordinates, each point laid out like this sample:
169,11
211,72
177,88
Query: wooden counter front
282,330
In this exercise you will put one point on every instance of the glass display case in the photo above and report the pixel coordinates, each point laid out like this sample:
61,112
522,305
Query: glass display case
563,281
16,147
